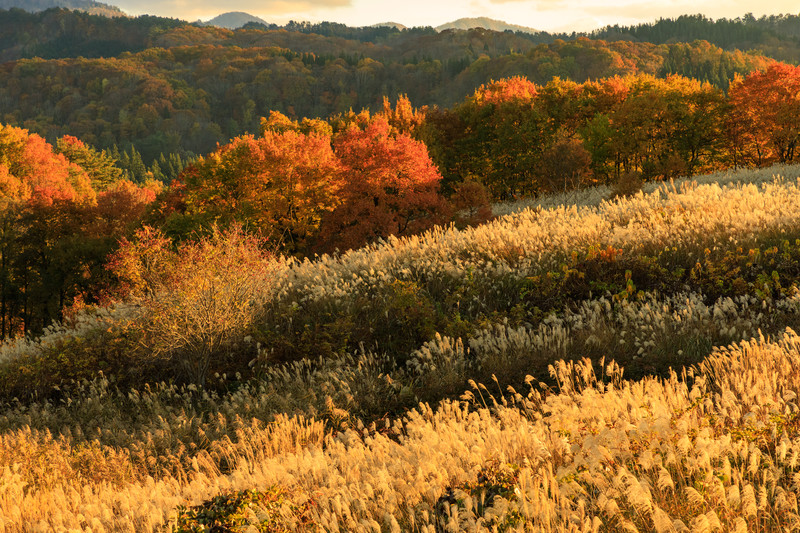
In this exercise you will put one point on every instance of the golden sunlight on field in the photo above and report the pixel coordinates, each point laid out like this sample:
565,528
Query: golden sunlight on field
538,429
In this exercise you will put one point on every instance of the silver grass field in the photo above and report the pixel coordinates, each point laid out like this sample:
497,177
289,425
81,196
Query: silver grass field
714,447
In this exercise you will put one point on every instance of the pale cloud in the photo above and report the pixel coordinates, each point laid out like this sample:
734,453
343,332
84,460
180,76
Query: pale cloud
645,8
577,24
550,15
771,7
641,10
583,15
637,12
542,5
193,9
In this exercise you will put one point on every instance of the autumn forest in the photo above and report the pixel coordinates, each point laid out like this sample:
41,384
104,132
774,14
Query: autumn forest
316,185
228,255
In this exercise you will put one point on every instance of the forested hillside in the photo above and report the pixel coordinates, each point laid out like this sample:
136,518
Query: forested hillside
182,97
59,33
162,86
234,20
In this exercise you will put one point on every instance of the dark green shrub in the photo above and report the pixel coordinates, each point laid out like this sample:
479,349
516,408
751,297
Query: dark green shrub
227,513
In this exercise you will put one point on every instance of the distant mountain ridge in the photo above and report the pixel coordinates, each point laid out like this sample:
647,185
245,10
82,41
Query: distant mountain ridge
89,6
484,22
389,25
234,20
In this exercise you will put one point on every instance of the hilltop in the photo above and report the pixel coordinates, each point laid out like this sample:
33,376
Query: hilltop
395,25
237,19
486,23
234,20
89,6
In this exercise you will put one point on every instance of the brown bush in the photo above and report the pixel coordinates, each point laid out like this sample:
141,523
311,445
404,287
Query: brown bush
197,302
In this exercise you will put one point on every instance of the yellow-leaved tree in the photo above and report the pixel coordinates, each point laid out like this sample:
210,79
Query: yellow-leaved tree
199,300
281,184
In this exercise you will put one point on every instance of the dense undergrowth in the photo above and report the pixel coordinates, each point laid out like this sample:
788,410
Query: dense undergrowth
341,403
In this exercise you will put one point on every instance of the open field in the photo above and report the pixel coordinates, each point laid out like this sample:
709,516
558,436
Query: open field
460,380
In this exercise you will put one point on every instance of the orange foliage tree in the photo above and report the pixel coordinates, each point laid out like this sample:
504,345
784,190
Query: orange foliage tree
660,127
55,229
121,207
304,188
507,131
402,117
764,124
517,88
197,301
389,186
46,176
281,184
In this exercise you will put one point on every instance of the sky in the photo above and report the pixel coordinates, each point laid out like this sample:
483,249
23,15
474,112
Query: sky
548,15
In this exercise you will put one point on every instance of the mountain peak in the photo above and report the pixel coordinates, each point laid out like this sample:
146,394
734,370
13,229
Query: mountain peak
89,6
389,25
483,22
233,20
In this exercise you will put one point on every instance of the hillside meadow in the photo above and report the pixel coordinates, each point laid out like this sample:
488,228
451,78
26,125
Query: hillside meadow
583,362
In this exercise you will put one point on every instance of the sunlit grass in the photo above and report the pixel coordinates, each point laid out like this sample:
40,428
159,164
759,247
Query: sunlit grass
512,419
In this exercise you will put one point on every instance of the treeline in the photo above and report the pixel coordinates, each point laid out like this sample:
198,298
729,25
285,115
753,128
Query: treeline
519,138
60,33
186,99
311,185
775,36
306,187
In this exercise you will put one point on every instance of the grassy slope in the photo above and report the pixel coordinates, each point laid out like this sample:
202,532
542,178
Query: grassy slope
644,280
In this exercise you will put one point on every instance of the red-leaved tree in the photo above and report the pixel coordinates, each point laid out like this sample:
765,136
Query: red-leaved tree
389,186
764,124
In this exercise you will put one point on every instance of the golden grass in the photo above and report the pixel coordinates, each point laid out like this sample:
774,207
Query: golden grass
602,453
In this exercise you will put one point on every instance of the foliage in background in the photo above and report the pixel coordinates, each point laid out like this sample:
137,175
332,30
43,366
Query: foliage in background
521,139
158,86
